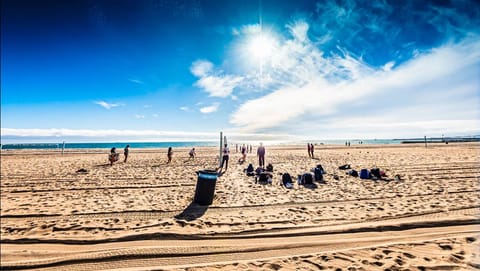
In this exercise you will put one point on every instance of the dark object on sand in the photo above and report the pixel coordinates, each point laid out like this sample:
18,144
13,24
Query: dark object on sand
346,166
205,189
82,170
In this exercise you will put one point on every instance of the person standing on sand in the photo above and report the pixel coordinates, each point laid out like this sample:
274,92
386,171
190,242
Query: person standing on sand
261,155
169,154
311,149
225,154
192,154
125,152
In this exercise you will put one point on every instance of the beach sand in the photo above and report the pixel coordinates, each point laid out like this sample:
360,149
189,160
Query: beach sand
140,216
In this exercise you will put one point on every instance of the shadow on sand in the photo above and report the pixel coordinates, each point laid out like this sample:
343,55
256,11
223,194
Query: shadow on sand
192,212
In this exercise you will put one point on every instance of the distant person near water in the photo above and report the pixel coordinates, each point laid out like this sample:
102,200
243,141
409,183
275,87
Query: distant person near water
261,155
169,154
243,150
192,153
125,152
225,156
309,149
312,149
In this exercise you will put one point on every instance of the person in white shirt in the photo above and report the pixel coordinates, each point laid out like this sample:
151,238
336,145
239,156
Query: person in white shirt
225,154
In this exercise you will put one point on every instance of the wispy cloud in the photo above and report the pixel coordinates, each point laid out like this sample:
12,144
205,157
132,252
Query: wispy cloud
442,78
136,81
210,109
108,105
214,82
247,29
137,116
184,108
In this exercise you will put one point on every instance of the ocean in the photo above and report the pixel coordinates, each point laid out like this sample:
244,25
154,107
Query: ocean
179,144
106,145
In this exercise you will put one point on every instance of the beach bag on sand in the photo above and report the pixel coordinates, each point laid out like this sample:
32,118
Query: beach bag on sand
269,167
263,178
307,178
250,170
286,178
318,172
353,173
375,173
259,170
364,174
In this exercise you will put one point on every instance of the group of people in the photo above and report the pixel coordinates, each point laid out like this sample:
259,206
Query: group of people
114,156
226,155
192,154
246,148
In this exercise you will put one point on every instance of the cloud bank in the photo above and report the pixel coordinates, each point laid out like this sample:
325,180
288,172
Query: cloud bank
360,69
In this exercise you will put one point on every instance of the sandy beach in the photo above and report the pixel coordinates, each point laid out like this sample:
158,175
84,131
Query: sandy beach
140,216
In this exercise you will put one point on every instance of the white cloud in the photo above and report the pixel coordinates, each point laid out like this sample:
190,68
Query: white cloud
210,109
214,82
388,66
299,30
201,68
312,86
219,86
107,105
139,116
184,108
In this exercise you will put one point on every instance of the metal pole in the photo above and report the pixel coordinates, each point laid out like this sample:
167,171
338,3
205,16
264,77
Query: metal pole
220,156
425,141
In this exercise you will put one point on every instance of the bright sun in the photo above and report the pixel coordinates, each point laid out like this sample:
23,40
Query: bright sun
261,46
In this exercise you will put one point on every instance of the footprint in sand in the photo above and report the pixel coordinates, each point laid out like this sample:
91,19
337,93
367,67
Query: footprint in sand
445,247
470,239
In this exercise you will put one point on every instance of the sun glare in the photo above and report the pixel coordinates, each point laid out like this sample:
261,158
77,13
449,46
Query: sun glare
261,46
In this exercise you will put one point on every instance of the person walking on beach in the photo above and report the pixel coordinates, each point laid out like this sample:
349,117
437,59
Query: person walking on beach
113,156
169,154
125,152
192,154
261,155
309,149
225,154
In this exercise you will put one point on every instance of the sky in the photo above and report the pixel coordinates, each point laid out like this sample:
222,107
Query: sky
163,70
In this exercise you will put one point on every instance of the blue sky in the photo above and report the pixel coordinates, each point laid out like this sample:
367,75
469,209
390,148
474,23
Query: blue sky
274,70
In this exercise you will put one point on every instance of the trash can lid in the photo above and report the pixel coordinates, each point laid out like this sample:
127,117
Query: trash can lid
208,174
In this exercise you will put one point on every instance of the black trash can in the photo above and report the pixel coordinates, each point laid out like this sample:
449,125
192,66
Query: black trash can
205,190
